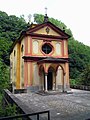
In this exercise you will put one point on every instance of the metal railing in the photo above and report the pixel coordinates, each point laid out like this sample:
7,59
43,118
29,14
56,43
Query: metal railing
10,98
26,116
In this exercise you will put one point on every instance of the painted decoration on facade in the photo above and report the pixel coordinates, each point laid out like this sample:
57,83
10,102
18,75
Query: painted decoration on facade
35,47
58,49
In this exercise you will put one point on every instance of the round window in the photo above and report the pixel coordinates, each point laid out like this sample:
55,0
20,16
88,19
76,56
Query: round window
46,48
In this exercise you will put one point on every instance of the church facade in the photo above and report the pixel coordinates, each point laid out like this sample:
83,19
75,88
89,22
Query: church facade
39,59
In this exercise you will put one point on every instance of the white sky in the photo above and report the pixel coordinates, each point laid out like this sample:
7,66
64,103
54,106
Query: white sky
74,13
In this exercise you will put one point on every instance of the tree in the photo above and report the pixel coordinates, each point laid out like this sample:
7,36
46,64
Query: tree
85,76
79,57
4,76
10,28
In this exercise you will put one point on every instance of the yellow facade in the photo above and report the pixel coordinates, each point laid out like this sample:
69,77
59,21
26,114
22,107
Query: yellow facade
32,67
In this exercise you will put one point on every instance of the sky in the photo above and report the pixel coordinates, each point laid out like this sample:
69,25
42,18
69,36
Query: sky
75,14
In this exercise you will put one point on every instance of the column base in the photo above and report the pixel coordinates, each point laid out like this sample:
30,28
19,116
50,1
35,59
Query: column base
46,90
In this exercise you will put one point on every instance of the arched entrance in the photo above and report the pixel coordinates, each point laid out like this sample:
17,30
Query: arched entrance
50,80
60,78
53,76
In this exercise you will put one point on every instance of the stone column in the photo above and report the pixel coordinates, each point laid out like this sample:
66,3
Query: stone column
46,82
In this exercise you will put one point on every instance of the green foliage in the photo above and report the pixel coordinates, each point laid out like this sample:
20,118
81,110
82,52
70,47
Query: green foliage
74,82
4,76
4,50
85,76
10,28
38,18
8,110
79,57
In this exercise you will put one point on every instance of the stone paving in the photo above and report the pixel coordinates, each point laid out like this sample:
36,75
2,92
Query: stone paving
75,106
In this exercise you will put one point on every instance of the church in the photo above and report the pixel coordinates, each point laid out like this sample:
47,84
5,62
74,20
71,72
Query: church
39,59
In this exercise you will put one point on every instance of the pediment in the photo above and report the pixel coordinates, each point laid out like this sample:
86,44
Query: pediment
47,29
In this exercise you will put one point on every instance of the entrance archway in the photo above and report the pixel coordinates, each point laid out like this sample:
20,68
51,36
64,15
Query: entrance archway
50,80
60,78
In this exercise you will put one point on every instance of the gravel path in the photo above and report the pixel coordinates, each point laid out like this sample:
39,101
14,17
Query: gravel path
75,106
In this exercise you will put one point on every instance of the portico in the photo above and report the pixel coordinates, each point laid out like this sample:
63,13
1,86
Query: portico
52,69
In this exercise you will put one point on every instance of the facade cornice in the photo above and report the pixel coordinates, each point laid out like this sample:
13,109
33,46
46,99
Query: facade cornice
45,59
